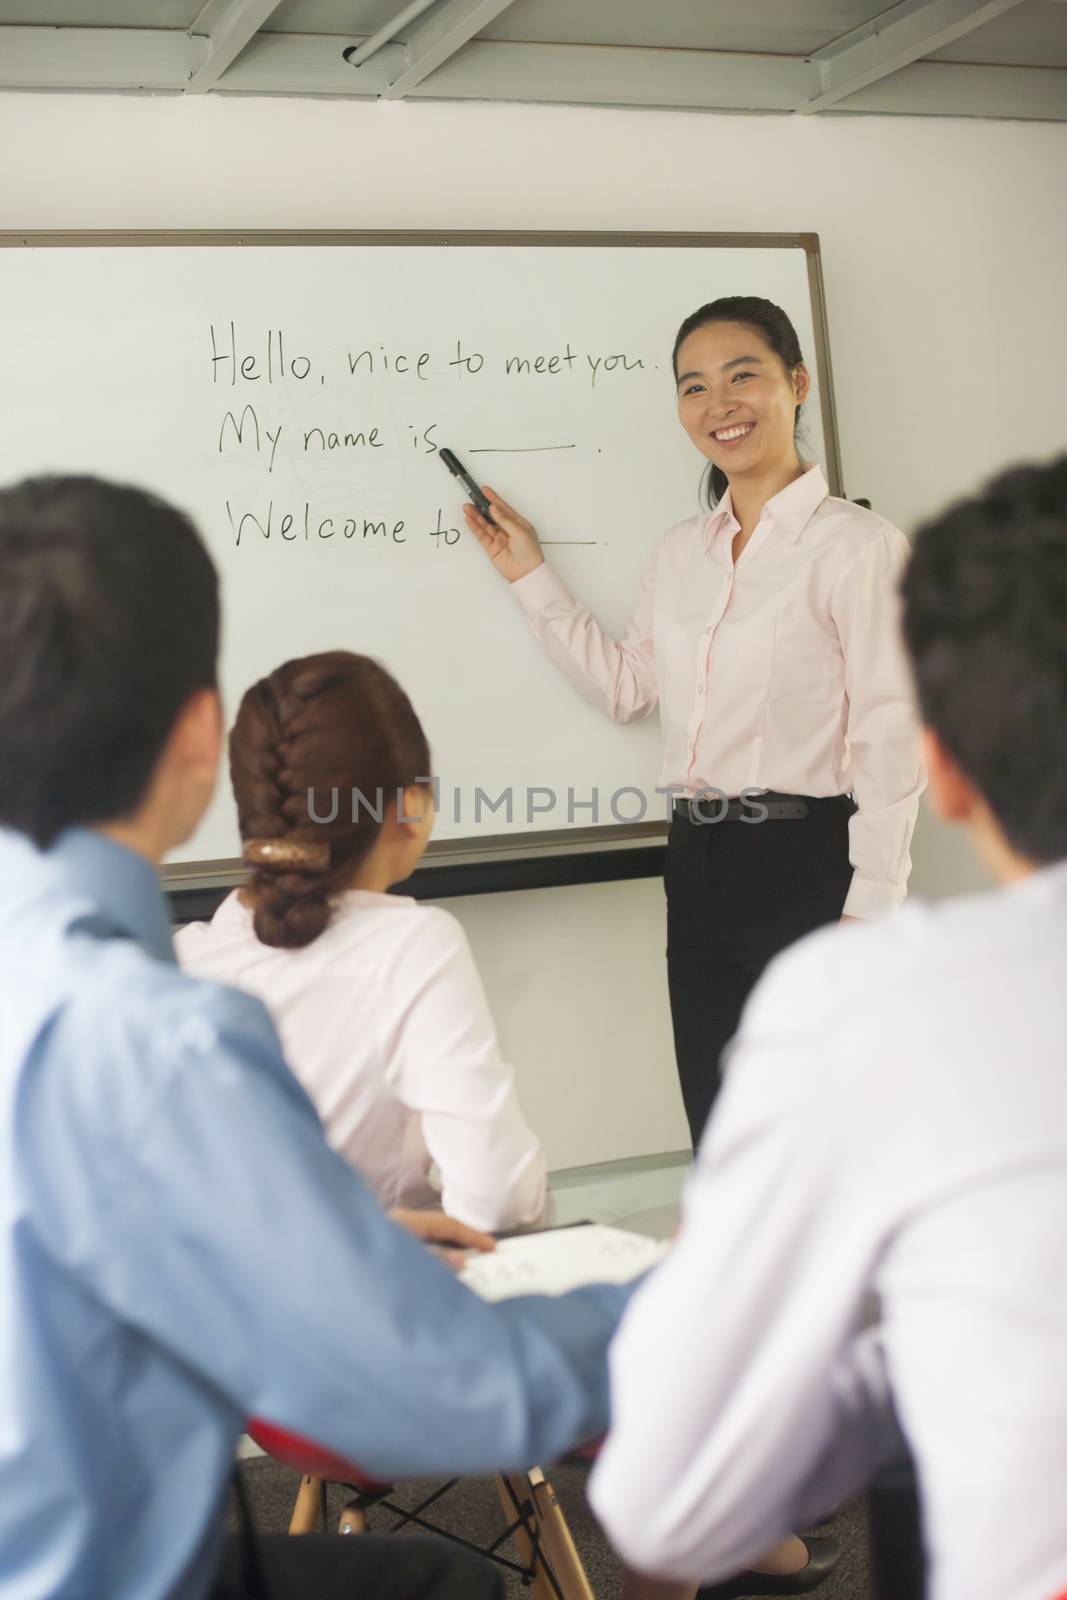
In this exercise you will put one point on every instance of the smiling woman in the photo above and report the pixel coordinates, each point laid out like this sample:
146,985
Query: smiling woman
765,633
747,376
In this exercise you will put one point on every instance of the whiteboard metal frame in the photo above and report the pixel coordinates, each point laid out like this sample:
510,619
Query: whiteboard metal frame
585,861
502,861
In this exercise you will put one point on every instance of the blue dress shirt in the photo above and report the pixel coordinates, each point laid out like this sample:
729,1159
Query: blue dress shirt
180,1250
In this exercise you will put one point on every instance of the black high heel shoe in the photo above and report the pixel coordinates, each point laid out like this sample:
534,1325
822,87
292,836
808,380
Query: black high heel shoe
823,1555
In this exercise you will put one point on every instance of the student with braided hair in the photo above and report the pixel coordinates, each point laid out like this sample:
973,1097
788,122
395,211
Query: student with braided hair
376,998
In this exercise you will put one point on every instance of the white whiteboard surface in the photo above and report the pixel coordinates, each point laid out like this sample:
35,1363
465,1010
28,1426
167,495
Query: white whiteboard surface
139,363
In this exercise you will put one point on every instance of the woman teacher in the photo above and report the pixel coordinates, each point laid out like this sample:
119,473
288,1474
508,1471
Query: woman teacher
766,634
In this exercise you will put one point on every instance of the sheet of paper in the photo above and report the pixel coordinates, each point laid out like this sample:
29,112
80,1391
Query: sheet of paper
560,1260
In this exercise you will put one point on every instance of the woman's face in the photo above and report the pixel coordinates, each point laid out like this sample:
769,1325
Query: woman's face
736,400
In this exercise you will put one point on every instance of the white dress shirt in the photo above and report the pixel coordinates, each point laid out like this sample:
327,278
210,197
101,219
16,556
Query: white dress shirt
785,672
893,1128
384,1020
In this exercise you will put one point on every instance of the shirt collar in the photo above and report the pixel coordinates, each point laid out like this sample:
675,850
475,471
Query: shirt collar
791,509
118,882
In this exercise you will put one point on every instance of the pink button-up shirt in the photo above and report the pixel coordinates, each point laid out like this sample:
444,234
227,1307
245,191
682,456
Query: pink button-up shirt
784,672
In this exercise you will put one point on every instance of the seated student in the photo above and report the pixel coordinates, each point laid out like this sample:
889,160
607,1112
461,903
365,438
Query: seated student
893,1128
179,1247
377,999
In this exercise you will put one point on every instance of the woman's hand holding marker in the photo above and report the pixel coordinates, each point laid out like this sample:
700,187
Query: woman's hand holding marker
510,542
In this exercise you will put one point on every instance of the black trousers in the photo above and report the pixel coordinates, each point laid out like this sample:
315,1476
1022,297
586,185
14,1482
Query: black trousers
365,1566
737,894
894,1521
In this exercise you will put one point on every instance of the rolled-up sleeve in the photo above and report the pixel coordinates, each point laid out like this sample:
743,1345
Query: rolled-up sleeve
618,676
882,725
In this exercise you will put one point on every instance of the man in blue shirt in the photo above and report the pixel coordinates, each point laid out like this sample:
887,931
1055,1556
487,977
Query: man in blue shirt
179,1248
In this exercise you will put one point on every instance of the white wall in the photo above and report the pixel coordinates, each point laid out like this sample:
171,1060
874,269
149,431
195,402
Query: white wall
943,249
578,982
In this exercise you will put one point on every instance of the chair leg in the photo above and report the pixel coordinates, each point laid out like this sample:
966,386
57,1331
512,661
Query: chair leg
514,1484
557,1541
307,1509
352,1519
556,1546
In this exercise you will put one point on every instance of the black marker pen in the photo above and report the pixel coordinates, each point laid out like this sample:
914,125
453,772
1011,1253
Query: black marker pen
458,470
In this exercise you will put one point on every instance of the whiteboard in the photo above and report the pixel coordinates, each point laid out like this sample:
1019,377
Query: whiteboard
291,393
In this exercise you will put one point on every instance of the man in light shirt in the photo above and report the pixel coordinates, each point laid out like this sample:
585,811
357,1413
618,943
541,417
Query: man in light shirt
875,1235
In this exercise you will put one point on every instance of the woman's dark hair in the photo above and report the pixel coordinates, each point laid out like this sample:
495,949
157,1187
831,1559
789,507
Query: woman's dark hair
776,330
329,736
109,622
985,597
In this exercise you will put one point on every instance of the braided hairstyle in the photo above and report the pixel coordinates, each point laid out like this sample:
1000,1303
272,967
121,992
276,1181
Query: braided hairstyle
308,739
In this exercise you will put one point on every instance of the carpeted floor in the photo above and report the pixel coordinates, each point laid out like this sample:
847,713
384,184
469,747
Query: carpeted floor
472,1510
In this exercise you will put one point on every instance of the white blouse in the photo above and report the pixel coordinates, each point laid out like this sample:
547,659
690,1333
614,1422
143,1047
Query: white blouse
384,1021
784,672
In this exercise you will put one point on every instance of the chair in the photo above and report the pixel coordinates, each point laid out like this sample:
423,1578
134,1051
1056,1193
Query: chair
549,1559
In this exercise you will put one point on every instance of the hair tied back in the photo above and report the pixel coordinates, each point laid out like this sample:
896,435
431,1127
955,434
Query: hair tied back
287,855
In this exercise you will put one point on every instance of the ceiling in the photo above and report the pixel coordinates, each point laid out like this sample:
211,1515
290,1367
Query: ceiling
1000,58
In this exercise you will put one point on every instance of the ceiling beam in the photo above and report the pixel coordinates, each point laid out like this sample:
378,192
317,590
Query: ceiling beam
960,89
313,64
97,58
310,64
446,30
227,26
615,75
155,60
894,40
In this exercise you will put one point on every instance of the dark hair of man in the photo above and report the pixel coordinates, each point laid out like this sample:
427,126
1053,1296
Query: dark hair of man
109,622
321,752
985,603
774,328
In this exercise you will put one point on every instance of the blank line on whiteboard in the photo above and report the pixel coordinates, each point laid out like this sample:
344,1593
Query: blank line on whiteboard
568,541
515,449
